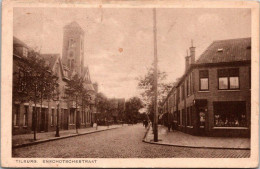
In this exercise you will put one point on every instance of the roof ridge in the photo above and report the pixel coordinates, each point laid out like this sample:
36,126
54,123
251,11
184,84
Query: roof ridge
233,39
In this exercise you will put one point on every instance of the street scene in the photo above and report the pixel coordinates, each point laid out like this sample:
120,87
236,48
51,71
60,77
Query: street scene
124,142
131,83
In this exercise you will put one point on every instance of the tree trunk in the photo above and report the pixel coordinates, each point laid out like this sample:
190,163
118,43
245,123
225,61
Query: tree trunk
77,115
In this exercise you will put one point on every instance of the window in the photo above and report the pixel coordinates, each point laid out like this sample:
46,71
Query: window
230,114
25,116
191,85
65,73
81,44
21,81
178,95
188,86
71,54
72,43
16,115
204,80
228,79
25,52
182,92
72,64
52,117
72,121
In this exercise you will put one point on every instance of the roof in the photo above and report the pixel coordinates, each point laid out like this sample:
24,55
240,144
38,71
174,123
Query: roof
18,43
230,50
50,59
74,25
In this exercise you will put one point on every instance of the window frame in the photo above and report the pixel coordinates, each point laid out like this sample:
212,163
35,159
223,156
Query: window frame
16,115
200,72
25,116
52,117
228,76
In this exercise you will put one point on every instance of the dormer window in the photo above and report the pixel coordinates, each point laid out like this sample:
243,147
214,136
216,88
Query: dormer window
220,49
25,52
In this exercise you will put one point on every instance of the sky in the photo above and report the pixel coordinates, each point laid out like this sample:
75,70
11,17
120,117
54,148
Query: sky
119,41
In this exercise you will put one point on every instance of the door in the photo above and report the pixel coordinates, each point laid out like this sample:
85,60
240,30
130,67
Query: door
201,113
65,119
42,125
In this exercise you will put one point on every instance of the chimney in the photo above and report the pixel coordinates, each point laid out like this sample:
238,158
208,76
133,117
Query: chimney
187,61
192,53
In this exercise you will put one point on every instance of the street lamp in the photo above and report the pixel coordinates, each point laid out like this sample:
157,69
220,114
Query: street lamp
58,114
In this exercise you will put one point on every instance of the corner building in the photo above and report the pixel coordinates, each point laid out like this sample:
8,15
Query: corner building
213,97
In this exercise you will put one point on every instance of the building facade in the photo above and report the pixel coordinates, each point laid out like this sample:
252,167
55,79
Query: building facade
213,97
64,68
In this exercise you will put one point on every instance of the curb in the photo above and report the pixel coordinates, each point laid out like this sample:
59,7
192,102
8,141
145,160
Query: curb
176,145
146,132
59,138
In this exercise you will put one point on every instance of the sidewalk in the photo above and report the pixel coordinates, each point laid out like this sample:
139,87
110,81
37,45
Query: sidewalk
181,139
27,139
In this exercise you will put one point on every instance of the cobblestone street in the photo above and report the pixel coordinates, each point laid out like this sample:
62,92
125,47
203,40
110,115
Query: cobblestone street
125,142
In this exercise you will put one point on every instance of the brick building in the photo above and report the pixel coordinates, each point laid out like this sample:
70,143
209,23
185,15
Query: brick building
71,62
213,97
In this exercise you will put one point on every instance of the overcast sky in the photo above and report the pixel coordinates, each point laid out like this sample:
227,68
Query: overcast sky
119,42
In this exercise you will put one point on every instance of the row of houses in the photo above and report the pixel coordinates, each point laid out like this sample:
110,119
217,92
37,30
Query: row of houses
64,109
213,97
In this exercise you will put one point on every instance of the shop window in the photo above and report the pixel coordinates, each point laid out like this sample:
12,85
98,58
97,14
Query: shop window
25,116
202,117
16,115
52,117
229,114
204,80
228,79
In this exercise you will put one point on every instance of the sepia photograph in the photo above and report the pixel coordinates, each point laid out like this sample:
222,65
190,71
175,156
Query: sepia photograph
90,83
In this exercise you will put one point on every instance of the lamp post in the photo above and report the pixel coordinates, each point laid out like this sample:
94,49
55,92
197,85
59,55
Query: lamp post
58,115
155,128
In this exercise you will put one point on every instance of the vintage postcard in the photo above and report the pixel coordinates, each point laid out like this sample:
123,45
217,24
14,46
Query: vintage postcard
130,84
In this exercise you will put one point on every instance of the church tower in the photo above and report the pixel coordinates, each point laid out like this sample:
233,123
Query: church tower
73,47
